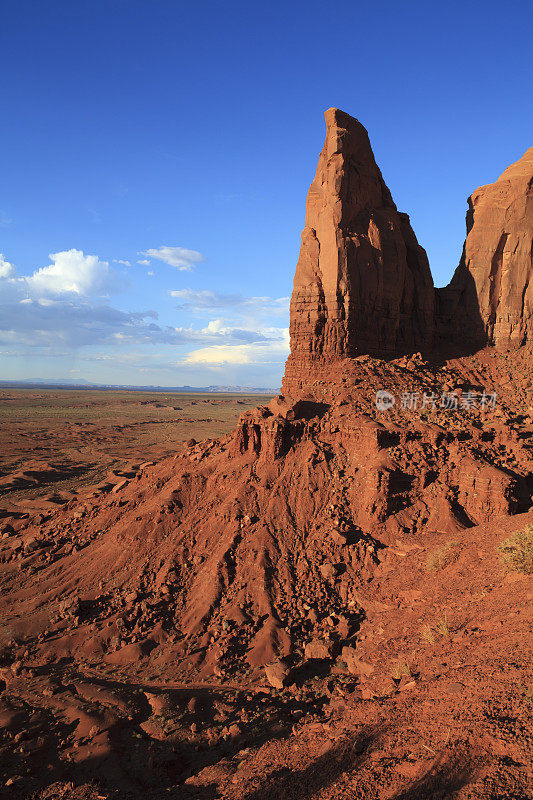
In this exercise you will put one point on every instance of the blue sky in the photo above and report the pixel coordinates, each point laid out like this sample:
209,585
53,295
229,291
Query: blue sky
156,154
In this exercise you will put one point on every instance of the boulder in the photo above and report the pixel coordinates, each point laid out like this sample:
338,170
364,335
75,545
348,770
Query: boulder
354,663
317,649
277,674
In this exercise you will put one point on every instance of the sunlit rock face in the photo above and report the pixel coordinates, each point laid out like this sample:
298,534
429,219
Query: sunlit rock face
363,283
490,298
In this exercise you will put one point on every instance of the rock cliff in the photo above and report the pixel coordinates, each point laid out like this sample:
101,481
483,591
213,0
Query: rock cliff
363,285
490,297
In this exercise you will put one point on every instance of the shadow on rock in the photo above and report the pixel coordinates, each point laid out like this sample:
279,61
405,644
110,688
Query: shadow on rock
445,778
342,757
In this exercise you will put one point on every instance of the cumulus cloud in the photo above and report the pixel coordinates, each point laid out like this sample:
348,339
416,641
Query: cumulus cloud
123,261
58,304
145,262
7,270
72,272
206,300
53,308
271,351
42,323
221,354
63,307
179,257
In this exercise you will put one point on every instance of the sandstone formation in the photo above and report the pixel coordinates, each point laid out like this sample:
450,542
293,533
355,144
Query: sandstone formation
327,569
490,297
362,283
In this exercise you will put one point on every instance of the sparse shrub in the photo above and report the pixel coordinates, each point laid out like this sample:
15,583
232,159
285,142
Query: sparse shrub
443,556
400,670
403,670
517,551
443,628
430,633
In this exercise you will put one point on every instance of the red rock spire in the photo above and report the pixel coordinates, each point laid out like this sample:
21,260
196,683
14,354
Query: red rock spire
362,283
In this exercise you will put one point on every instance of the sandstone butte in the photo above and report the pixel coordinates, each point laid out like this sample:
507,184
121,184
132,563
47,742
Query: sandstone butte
140,609
363,283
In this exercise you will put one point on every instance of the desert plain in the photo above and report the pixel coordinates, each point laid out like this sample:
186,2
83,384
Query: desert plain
53,443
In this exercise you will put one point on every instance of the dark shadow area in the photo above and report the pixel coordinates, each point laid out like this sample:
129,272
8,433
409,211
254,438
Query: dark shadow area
311,669
456,329
307,409
445,778
387,438
344,756
459,327
138,758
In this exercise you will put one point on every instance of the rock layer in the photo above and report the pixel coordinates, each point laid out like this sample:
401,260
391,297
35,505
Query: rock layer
362,283
490,297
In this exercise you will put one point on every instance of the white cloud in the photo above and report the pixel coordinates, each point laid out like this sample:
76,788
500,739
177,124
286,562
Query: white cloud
122,261
220,354
271,351
178,257
61,308
55,307
145,262
73,273
7,270
201,300
64,323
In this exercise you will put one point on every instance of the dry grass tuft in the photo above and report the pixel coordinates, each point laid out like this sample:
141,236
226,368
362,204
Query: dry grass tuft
428,634
442,627
517,551
440,558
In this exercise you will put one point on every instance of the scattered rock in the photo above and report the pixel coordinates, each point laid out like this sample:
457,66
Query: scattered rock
277,674
317,649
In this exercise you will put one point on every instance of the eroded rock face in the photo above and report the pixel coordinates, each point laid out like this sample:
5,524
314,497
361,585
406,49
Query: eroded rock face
490,297
363,283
